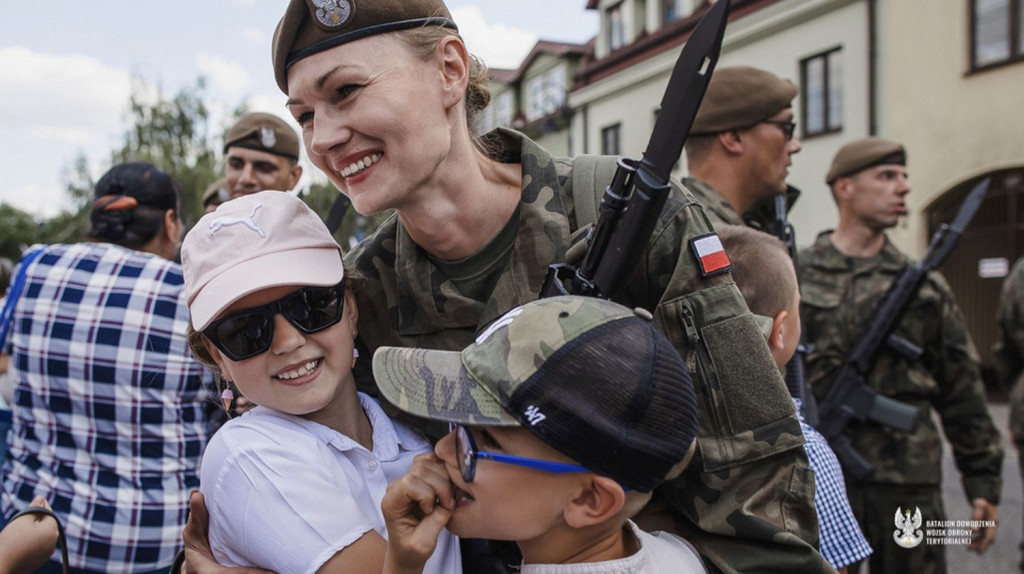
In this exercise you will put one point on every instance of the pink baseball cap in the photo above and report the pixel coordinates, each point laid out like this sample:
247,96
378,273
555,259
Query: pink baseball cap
267,239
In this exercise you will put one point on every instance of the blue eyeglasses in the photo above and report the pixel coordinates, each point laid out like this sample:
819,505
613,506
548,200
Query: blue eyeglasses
468,455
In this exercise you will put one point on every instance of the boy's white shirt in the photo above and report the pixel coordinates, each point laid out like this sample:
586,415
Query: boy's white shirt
287,494
659,553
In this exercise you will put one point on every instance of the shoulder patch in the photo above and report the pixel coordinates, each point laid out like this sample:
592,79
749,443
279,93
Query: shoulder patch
710,255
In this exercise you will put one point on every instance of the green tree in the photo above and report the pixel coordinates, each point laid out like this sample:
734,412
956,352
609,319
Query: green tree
173,134
17,231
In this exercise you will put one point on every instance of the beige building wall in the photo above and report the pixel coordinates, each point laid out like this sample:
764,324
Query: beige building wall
955,124
775,38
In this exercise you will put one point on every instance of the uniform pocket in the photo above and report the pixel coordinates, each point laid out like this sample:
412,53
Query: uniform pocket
746,412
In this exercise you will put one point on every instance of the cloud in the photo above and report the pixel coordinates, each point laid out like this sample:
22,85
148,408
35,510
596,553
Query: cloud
65,98
228,79
256,36
498,45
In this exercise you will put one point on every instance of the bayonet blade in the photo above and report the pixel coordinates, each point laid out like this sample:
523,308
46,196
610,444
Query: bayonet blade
970,206
684,93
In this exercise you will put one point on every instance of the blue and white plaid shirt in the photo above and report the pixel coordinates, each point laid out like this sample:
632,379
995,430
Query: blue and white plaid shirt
110,410
841,539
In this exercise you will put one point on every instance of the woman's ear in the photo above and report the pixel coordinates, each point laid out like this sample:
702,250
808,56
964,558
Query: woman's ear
598,499
454,61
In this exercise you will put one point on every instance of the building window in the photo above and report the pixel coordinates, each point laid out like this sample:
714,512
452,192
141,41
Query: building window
503,110
822,93
616,28
997,32
672,10
610,140
545,94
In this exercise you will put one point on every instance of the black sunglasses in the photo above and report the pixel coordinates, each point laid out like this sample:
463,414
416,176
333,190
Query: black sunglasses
250,332
788,127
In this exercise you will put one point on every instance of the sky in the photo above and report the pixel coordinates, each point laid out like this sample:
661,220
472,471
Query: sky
66,70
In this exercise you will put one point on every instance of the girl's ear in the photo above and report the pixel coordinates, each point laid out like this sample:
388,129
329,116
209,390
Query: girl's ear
454,61
217,358
351,312
598,499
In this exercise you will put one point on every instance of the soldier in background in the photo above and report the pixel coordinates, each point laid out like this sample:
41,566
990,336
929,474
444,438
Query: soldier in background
215,194
742,142
1008,353
261,152
843,275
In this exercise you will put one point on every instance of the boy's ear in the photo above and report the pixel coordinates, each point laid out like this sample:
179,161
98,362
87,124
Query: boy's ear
599,499
776,338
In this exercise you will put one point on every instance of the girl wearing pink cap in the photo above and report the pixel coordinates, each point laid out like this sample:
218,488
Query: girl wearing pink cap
295,484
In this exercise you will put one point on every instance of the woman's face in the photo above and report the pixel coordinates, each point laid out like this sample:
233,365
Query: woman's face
301,374
376,118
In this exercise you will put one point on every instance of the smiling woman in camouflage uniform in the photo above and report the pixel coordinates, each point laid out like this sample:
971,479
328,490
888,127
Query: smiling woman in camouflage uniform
385,93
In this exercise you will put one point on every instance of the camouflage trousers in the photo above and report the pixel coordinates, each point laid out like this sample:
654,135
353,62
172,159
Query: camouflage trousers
875,507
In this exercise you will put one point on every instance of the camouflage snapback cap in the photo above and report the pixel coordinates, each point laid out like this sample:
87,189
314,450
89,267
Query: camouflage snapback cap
591,378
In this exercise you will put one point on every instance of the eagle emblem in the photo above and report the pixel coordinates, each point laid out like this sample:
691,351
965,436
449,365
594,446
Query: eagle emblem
907,532
332,13
267,137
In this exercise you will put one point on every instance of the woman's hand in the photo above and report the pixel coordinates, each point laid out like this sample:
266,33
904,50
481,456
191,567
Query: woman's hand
29,541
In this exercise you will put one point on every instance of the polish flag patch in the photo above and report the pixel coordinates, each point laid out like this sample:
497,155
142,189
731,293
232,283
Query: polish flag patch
710,255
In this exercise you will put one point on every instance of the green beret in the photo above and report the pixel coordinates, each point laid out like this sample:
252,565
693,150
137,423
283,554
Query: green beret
263,132
862,154
312,26
739,97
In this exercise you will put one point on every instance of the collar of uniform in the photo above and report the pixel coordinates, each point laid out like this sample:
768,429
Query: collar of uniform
717,208
427,307
827,256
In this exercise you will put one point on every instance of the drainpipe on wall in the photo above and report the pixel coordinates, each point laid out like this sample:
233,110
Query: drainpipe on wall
872,67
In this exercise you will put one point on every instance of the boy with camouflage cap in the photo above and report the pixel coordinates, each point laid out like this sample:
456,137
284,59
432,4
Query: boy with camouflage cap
587,407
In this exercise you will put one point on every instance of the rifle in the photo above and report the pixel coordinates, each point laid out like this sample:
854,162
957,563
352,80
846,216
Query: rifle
637,193
796,379
848,396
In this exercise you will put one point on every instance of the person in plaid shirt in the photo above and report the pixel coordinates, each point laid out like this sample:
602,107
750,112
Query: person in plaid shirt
111,412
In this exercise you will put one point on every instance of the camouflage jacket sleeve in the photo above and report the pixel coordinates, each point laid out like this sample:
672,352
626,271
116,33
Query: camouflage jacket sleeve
750,443
962,405
838,294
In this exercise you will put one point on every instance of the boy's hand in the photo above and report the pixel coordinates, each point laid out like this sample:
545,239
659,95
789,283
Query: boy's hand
416,508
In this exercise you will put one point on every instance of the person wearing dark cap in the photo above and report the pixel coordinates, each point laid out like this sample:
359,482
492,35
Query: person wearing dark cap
742,142
843,275
566,414
261,152
215,194
385,94
110,413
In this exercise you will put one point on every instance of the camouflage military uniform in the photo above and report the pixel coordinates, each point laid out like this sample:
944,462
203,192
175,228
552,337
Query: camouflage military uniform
1008,353
747,503
838,294
716,207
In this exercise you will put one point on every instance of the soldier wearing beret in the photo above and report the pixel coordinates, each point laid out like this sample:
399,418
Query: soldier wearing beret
843,274
261,152
215,194
742,142
385,93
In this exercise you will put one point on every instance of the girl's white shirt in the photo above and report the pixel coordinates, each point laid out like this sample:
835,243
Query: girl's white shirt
286,493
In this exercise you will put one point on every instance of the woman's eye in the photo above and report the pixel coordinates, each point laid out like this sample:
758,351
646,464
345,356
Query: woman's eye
304,118
347,90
